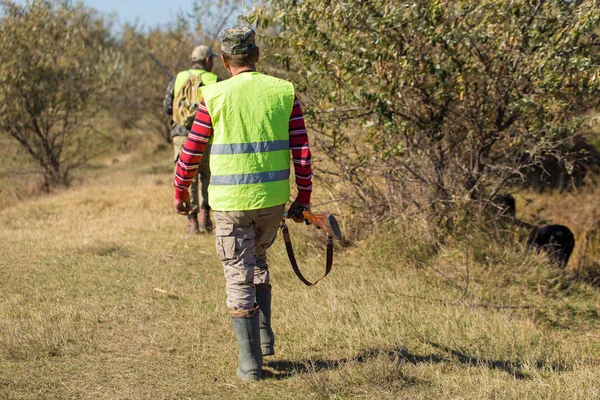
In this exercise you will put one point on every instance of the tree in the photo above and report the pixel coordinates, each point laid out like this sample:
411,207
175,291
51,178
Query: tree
143,83
55,64
172,44
430,105
212,17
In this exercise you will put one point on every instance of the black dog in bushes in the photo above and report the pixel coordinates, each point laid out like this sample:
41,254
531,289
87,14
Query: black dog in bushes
555,240
506,205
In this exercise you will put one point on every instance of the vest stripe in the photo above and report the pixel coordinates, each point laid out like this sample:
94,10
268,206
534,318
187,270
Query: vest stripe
245,179
245,148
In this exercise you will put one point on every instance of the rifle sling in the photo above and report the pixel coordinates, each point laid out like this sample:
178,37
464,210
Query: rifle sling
290,253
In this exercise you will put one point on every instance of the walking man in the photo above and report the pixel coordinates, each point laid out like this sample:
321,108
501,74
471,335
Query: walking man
181,103
252,122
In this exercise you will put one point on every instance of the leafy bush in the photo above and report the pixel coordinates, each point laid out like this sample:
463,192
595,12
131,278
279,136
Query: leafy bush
428,106
172,44
143,82
55,65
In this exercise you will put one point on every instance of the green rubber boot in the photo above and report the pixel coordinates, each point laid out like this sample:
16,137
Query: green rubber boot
246,328
267,339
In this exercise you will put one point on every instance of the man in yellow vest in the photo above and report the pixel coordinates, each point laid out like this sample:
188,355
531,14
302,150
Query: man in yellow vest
202,64
252,123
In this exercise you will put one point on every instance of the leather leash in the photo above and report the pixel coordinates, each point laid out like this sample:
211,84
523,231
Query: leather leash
290,253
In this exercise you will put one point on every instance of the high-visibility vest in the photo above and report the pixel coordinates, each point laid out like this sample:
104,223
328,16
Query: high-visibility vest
249,152
207,78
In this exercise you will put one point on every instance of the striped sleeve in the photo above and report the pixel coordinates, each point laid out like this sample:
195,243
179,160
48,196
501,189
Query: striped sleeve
300,154
192,151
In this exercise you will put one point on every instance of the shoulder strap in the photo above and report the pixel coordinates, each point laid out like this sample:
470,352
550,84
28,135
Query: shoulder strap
188,77
290,253
200,76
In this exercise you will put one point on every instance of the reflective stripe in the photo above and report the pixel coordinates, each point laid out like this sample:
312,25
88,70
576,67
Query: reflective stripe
245,179
245,148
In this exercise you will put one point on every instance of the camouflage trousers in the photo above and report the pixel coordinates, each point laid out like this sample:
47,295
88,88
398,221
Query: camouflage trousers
203,175
243,238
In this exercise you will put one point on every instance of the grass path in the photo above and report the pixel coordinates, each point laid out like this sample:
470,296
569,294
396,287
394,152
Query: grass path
80,319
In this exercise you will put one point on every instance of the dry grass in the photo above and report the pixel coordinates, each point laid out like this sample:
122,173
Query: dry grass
579,210
79,317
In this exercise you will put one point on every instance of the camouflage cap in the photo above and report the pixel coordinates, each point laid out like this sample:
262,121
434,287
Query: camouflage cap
202,52
237,40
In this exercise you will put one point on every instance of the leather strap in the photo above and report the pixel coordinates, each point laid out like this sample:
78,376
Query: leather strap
290,253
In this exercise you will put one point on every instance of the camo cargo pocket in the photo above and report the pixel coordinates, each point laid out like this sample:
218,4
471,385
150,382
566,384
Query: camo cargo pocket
225,242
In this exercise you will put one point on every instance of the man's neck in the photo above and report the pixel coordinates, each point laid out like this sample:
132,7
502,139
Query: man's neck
237,71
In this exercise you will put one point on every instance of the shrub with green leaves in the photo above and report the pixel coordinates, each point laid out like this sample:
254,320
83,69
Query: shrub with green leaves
140,102
429,105
56,64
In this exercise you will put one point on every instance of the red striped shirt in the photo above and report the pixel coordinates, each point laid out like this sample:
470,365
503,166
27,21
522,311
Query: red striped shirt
202,130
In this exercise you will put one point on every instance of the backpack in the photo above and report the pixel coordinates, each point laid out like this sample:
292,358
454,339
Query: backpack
186,101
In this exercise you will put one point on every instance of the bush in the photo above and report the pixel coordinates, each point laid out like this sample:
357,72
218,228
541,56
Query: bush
56,64
142,81
429,106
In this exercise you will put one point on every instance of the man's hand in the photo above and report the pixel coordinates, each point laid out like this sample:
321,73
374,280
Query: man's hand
296,204
183,207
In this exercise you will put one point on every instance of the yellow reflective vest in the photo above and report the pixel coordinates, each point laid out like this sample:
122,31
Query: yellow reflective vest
249,150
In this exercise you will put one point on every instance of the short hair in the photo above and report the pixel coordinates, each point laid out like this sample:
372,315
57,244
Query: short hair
242,60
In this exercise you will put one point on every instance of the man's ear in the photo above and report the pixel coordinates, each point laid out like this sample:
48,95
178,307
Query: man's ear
224,62
257,54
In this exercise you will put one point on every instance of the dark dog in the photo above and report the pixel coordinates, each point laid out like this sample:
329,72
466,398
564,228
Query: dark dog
506,205
556,240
